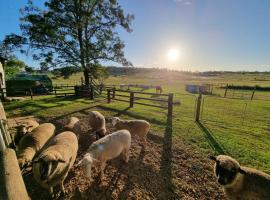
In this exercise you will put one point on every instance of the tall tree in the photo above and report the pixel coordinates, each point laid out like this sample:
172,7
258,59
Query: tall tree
73,32
13,66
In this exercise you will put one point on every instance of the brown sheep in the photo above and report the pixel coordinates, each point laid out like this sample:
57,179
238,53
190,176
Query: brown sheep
241,183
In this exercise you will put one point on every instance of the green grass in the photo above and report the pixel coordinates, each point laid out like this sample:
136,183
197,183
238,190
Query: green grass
240,128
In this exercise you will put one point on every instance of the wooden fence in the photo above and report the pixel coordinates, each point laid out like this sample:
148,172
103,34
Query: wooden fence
132,98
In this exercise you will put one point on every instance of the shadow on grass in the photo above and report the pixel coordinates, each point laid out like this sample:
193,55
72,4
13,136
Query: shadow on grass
211,139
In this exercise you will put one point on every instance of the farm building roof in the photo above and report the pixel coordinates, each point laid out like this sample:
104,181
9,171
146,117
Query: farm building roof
30,77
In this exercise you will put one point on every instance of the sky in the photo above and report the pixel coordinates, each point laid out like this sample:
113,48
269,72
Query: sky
203,34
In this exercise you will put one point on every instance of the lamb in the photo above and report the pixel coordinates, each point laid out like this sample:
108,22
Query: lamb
97,123
136,127
73,125
52,165
24,128
105,149
241,182
32,142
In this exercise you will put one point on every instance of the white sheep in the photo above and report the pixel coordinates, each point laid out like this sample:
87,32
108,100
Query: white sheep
52,165
23,128
138,128
32,142
97,123
105,149
241,182
73,125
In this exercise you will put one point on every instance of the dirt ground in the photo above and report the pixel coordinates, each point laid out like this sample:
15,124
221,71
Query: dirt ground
167,169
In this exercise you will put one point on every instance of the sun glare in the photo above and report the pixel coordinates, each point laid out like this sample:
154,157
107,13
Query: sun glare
173,54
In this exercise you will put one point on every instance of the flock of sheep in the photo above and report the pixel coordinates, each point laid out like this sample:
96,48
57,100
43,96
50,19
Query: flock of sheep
52,156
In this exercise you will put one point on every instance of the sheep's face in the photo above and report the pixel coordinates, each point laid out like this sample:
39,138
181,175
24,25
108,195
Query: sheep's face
86,164
22,129
47,168
115,120
226,169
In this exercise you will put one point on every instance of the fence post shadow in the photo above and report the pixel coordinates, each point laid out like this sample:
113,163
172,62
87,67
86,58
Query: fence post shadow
166,159
210,138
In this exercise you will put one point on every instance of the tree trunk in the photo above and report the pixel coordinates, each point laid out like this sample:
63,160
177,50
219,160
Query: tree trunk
86,77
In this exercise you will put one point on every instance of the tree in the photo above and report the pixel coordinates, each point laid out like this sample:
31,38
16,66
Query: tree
13,66
66,72
73,32
100,73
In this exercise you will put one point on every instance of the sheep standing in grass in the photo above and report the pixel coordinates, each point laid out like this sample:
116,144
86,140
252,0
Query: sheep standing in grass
241,182
97,123
105,149
135,127
73,125
52,165
32,142
24,128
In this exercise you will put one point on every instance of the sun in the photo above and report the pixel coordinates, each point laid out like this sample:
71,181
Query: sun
173,54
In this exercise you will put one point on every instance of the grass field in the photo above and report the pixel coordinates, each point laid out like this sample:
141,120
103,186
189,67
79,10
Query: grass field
240,128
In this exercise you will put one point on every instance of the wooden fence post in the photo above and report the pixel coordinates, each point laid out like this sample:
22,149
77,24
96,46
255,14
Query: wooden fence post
113,95
131,100
198,107
252,96
31,93
170,105
109,95
55,91
91,92
100,89
225,94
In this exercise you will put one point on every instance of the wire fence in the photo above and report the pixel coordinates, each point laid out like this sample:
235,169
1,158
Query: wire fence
238,114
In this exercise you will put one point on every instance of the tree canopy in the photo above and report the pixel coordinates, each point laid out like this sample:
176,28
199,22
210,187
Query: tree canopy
73,33
13,66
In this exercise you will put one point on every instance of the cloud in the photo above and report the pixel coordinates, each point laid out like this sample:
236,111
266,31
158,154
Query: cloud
187,3
184,2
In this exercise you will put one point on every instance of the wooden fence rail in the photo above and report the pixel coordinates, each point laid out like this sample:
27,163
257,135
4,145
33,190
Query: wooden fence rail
132,99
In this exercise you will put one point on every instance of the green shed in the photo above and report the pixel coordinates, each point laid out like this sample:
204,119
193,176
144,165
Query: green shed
24,82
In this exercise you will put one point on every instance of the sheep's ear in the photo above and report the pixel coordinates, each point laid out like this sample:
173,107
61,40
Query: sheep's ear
242,171
214,158
18,126
61,160
80,162
27,128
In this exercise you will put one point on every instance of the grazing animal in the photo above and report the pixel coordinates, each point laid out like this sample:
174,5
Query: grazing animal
73,125
106,148
52,165
98,124
138,128
241,183
159,89
24,128
31,143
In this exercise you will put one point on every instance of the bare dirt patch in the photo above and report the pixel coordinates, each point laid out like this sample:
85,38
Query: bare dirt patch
166,169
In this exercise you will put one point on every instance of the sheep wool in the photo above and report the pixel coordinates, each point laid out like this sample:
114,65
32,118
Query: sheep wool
23,128
32,142
52,165
107,148
97,123
73,125
241,182
138,128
